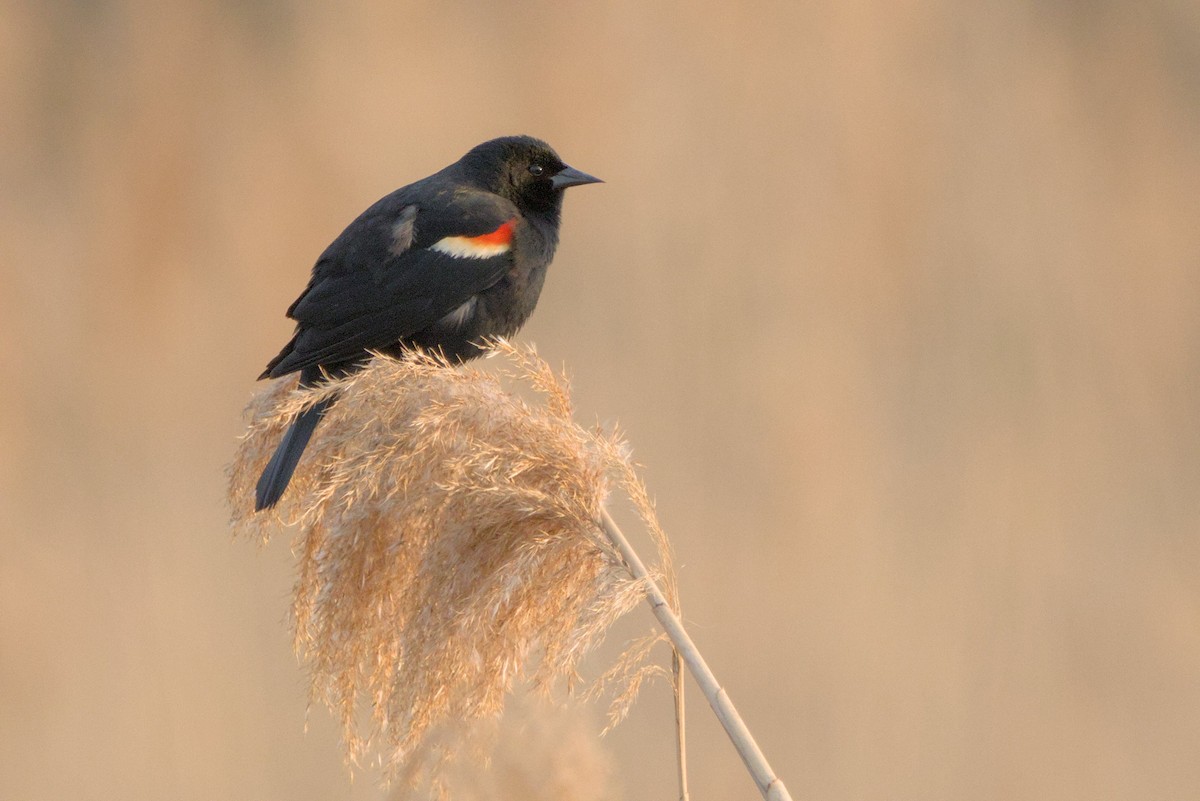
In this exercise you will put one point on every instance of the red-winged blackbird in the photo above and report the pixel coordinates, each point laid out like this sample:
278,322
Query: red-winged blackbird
438,264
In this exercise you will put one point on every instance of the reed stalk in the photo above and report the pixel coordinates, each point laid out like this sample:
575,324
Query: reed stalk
771,787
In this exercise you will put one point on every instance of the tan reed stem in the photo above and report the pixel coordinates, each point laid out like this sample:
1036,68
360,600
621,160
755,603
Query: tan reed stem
769,785
680,724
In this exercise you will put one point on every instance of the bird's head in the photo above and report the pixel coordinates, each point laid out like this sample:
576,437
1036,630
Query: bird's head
524,170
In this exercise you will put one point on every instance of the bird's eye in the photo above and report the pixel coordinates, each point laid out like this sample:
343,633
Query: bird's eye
536,169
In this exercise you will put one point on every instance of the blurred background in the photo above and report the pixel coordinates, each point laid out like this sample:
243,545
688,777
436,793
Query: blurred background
898,303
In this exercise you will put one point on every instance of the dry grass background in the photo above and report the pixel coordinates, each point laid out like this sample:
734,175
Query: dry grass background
897,302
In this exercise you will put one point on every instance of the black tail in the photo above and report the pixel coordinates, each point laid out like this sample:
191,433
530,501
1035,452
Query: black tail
278,472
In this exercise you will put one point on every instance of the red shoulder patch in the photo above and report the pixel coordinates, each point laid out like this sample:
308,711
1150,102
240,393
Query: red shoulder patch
501,236
483,246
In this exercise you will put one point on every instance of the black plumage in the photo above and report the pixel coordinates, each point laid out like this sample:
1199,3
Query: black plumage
438,264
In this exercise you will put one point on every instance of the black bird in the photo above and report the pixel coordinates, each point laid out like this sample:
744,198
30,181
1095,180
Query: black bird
439,264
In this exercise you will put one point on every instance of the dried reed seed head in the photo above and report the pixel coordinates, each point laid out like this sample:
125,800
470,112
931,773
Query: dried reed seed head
447,541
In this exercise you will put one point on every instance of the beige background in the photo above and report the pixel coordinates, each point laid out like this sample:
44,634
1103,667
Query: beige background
897,301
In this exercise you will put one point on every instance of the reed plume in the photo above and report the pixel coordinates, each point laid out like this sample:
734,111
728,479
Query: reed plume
448,541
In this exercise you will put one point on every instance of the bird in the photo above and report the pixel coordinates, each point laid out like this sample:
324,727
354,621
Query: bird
440,264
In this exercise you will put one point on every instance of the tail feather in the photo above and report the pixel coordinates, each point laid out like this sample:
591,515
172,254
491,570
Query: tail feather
278,471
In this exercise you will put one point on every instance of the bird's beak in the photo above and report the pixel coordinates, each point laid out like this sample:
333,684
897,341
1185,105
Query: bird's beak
569,176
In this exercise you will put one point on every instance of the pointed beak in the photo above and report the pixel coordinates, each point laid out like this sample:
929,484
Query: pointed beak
569,176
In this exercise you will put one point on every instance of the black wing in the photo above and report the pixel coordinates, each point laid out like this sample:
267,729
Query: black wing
382,280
